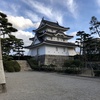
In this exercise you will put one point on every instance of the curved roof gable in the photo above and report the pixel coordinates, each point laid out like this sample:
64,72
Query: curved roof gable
45,23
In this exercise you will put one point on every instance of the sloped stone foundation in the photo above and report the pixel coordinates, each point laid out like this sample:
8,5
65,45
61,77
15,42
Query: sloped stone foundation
24,65
53,59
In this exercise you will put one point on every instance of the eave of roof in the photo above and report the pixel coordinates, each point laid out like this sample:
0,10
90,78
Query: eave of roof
46,34
51,23
53,43
68,44
31,39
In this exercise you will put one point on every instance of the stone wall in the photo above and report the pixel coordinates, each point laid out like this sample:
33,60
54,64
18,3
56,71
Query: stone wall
41,59
56,60
24,65
52,59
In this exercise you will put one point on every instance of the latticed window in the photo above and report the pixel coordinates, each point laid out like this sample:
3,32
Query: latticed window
64,49
51,38
56,48
58,38
37,51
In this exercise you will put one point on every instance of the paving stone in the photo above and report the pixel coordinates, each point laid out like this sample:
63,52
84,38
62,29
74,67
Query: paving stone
50,86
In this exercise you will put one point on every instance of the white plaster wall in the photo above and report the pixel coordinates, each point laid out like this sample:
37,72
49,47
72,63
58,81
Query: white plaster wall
71,51
48,38
41,51
50,50
60,39
55,39
37,41
33,52
51,30
65,40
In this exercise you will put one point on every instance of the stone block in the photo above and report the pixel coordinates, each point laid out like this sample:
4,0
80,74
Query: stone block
24,65
53,59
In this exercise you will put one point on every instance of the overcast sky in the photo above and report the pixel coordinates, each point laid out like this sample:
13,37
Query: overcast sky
25,15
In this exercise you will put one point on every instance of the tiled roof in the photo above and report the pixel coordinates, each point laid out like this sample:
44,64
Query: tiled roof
53,34
50,24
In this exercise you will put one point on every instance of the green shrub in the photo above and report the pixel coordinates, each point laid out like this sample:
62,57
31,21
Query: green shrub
97,72
7,58
96,66
67,63
73,71
47,68
9,68
71,63
96,69
33,64
77,63
17,67
12,66
72,66
43,67
52,65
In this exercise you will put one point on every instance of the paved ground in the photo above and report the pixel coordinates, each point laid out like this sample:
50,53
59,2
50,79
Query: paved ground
50,86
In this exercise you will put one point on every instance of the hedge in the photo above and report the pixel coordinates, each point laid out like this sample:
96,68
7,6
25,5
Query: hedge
12,66
72,66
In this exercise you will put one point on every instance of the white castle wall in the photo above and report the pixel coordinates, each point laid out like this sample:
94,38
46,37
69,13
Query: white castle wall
52,50
56,39
37,51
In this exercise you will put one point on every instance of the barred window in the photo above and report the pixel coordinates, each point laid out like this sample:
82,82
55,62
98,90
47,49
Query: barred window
56,48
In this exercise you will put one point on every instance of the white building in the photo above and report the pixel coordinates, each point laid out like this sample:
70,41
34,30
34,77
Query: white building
50,44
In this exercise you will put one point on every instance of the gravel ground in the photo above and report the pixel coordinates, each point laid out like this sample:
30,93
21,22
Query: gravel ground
50,86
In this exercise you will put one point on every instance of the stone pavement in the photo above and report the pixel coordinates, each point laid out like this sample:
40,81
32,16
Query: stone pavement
50,86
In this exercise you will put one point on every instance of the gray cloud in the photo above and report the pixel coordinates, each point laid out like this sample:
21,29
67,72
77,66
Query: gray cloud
46,10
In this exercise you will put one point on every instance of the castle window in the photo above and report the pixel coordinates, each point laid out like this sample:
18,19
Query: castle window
58,38
37,51
56,48
51,30
64,49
